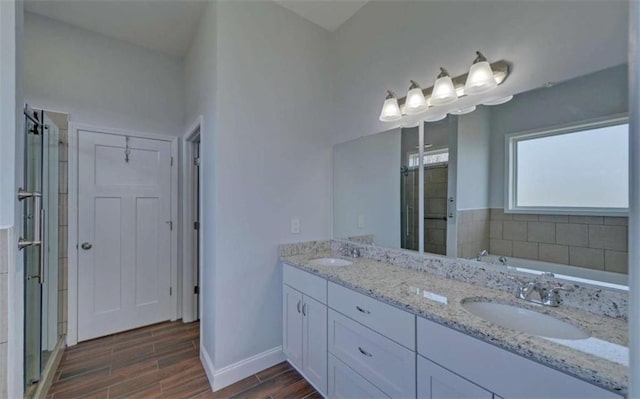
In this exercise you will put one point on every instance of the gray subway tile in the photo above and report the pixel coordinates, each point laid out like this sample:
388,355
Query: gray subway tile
495,229
616,221
586,219
608,237
514,230
554,253
500,247
526,250
616,261
586,257
541,232
572,234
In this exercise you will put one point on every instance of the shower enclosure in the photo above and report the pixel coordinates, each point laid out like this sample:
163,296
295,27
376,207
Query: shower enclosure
39,241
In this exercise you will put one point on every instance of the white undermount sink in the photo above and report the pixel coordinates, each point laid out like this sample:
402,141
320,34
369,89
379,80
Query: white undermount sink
330,262
524,320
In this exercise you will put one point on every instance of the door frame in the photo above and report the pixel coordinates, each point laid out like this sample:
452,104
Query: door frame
192,134
72,244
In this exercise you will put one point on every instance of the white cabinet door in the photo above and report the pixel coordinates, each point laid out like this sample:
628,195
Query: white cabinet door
435,382
314,342
292,325
344,383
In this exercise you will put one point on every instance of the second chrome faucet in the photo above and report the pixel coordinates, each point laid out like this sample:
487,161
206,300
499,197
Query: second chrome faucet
548,295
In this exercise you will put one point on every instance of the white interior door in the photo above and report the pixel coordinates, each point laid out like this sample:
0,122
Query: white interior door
124,231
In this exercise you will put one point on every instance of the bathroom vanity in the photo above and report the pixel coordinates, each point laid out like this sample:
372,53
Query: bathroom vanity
372,329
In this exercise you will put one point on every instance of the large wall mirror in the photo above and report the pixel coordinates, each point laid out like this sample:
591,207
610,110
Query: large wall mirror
540,182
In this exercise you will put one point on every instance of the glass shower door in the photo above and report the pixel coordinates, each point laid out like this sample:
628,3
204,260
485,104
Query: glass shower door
31,241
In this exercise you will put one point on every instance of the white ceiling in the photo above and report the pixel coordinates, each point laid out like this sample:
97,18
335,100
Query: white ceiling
164,26
167,26
329,14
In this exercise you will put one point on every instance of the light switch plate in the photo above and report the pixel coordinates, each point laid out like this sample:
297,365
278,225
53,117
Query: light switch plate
295,226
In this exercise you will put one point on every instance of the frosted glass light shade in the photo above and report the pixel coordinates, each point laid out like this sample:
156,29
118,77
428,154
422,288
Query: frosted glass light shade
480,79
390,110
462,111
435,118
498,101
443,91
416,103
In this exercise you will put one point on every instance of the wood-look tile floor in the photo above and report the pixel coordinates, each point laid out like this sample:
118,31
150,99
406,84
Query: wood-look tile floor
161,361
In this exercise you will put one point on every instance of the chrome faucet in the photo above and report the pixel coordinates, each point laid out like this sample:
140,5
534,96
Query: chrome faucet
482,253
547,296
352,252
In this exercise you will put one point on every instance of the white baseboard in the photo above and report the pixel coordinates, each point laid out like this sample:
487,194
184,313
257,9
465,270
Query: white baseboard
232,373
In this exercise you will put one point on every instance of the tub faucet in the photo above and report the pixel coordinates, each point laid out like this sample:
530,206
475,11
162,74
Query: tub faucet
482,253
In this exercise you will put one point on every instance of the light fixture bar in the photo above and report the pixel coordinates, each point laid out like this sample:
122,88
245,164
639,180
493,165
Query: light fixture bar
501,71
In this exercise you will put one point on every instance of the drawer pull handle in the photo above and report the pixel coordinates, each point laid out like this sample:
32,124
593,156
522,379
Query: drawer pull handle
298,306
365,311
364,352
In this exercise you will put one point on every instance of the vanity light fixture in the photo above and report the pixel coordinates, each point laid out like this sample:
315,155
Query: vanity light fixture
416,103
481,78
444,92
498,101
390,109
462,111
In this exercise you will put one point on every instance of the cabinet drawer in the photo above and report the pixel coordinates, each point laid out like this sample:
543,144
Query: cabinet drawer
346,383
390,366
307,283
435,382
389,321
498,370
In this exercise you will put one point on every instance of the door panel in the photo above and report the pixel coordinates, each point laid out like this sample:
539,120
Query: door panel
314,338
124,214
292,325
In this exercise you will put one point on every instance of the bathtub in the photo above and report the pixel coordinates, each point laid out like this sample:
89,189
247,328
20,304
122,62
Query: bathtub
565,272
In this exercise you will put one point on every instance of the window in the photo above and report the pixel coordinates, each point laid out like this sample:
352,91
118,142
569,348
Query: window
576,170
435,157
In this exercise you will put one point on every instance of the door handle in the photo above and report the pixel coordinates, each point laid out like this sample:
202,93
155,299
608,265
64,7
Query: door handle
86,246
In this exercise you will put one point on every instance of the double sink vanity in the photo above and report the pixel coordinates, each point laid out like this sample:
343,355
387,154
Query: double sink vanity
361,321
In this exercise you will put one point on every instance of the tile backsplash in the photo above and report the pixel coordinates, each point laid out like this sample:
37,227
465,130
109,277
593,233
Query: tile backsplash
473,232
595,242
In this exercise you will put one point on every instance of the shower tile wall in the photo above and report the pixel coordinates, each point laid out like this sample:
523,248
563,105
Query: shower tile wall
5,234
63,230
435,209
473,232
595,242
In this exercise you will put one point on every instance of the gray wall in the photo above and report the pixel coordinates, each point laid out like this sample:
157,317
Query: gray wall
259,75
101,80
474,132
366,182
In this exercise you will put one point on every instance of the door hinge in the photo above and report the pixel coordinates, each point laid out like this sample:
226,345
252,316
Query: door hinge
196,225
170,291
196,290
196,161
170,223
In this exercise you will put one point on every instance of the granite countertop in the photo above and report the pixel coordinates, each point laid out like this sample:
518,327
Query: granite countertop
600,360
